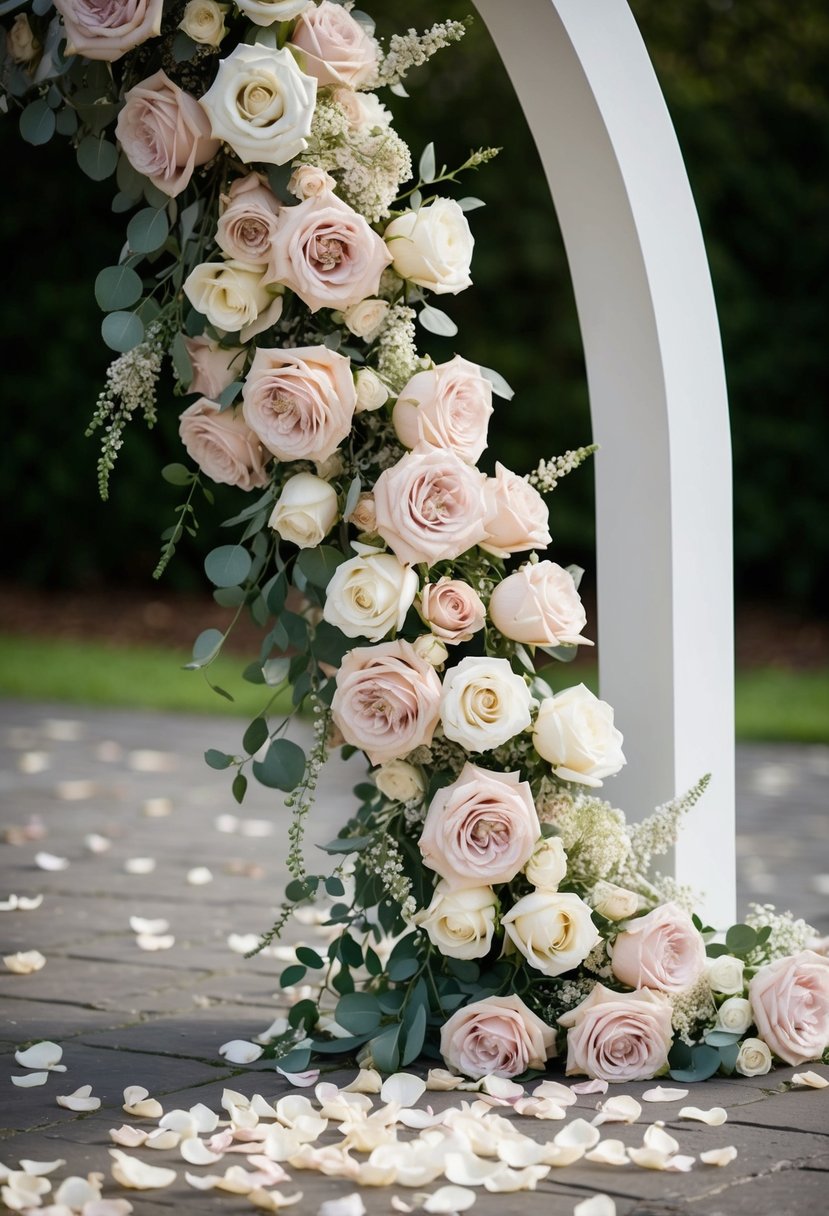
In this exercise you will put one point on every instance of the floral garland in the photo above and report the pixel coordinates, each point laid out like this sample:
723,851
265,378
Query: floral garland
483,902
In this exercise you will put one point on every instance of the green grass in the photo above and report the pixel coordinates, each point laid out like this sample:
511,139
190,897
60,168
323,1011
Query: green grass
790,706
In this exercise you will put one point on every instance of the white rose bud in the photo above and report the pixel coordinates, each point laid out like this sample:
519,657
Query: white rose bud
612,902
230,294
754,1059
366,319
460,923
400,781
369,595
305,510
372,393
734,1015
432,247
330,468
574,731
548,864
725,974
432,649
310,182
552,929
204,21
21,43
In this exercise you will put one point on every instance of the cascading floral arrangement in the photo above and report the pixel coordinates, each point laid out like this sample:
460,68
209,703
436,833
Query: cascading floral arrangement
483,902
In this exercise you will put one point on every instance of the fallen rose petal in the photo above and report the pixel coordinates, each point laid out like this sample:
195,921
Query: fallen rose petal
272,1201
348,1205
521,1151
140,924
597,1205
222,1141
149,941
367,1081
30,1080
199,876
196,1152
302,1080
96,843
466,1169
400,1205
38,1168
226,823
75,1191
140,1105
554,1091
48,861
24,1190
609,1152
42,1055
262,1107
441,1079
34,762
448,1199
649,1158
204,1119
127,1137
107,1207
21,903
240,1051
715,1117
243,943
719,1156
501,1087
277,1028
578,1134
660,1093
590,1087
131,1172
25,962
507,1180
139,865
293,1107
162,1138
157,808
404,1088
146,760
81,1099
656,1137
619,1109
256,827
540,1108
418,1119
812,1080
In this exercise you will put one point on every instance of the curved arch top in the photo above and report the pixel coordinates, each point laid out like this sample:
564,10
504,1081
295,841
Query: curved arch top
658,405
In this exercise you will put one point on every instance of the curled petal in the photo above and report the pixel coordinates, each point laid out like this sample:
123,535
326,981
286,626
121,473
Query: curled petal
715,1117
38,1168
42,1055
131,1172
442,1079
554,1091
302,1080
162,1139
128,1137
348,1205
140,924
30,1079
150,941
540,1108
609,1152
501,1087
367,1081
449,1199
812,1080
466,1169
719,1156
403,1088
597,1205
24,962
196,1152
81,1099
590,1087
619,1109
240,1051
272,1201
657,1138
661,1093
48,861
578,1134
516,1180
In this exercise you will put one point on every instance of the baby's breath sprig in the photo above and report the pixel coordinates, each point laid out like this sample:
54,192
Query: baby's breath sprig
548,473
302,798
412,50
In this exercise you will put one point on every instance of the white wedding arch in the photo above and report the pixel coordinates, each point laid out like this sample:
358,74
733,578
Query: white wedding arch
658,405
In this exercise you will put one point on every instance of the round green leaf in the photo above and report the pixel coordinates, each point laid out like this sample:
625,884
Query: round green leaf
228,565
176,474
318,565
309,957
98,158
216,759
206,645
291,976
385,1049
358,1012
37,123
118,287
122,331
283,767
66,121
147,230
740,939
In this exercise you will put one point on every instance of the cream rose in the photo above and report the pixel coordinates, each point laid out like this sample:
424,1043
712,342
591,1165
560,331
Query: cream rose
204,21
753,1058
366,319
517,518
460,923
734,1015
372,393
267,12
400,781
725,974
326,253
335,48
363,516
248,220
230,294
214,366
480,829
300,402
21,43
574,732
446,407
369,595
431,649
307,181
261,104
552,929
452,609
790,1000
496,1037
662,949
164,133
539,606
614,902
615,1036
305,511
547,867
363,110
223,445
107,31
432,247
484,704
429,507
387,701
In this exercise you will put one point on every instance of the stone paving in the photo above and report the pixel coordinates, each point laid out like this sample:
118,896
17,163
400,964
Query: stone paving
125,1016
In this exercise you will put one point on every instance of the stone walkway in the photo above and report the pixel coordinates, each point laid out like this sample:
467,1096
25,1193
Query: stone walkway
125,1016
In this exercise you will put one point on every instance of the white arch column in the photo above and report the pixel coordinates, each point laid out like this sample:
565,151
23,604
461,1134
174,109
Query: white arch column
659,409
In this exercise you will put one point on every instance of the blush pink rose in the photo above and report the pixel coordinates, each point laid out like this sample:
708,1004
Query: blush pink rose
300,402
336,48
661,950
214,366
446,407
790,1002
430,506
248,221
480,830
107,29
223,445
452,609
496,1037
387,701
164,133
326,253
540,606
517,518
619,1036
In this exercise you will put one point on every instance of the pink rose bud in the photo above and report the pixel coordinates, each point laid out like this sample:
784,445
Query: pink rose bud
661,950
539,606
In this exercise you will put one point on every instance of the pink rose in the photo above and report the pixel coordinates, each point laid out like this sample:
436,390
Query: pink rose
540,606
496,1037
452,610
107,29
223,446
164,133
248,221
661,950
300,402
790,1002
430,506
214,366
336,48
387,701
308,181
446,407
517,518
619,1036
327,254
480,830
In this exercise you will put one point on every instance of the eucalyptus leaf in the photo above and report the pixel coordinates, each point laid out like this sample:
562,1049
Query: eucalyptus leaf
296,1060
239,787
499,384
471,204
437,321
256,735
347,844
98,158
426,166
216,759
740,939
37,123
283,766
181,361
147,230
352,496
292,976
415,1034
122,331
206,646
385,1049
184,48
117,287
275,671
227,565
228,395
318,565
358,1012
66,121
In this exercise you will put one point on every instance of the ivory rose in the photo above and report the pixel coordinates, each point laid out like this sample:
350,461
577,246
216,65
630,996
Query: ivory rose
432,649
574,732
366,319
485,703
21,43
400,781
517,518
429,507
619,1036
753,1058
387,701
223,445
300,402
734,1015
452,609
662,949
335,48
363,110
326,253
432,247
790,1000
480,829
725,974
164,133
266,12
204,21
552,929
308,181
547,867
261,104
372,393
460,923
539,606
496,1037
446,407
614,902
369,595
214,366
248,220
230,294
305,511
107,30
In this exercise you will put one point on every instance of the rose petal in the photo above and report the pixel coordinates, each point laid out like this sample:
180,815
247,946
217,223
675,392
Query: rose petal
715,1117
25,962
619,1109
75,1191
131,1172
39,1168
146,760
272,1201
204,1119
108,1207
243,943
149,941
348,1205
657,1138
157,808
179,1121
96,843
22,903
48,861
520,1151
609,1152
140,924
554,1091
540,1108
42,1055
578,1134
501,1087
146,1108
404,1088
135,1093
302,1080
449,1199
81,1099
139,865
30,1079
813,1080
199,876
400,1205
418,1119
590,1087
127,1137
597,1205
33,762
466,1169
161,1138
516,1180
719,1156
367,1081
277,1028
441,1079
660,1093
196,1152
240,1051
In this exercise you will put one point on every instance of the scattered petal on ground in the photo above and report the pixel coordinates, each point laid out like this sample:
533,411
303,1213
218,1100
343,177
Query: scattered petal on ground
812,1080
41,1167
404,1088
152,941
661,1093
141,924
449,1199
348,1205
22,1192
146,761
554,1091
501,1087
108,752
199,876
24,962
303,1080
240,1051
367,1081
49,861
139,865
590,1087
127,1137
75,791
131,1172
75,1192
719,1156
272,1201
608,1152
196,1152
30,1079
598,1205
162,1139
28,904
578,1134
243,943
715,1117
256,827
33,762
63,730
226,823
441,1079
42,1055
619,1109
157,808
96,843
81,1099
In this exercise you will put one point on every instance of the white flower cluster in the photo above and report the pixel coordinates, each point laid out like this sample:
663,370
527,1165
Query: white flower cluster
411,50
572,992
397,357
655,835
789,935
693,1011
548,473
593,834
383,859
669,891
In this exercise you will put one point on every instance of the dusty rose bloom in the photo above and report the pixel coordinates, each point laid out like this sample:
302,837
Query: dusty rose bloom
107,29
496,1037
223,445
517,518
214,366
790,1002
336,48
299,402
452,609
164,133
387,700
248,222
619,1036
446,407
661,950
540,606
430,506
